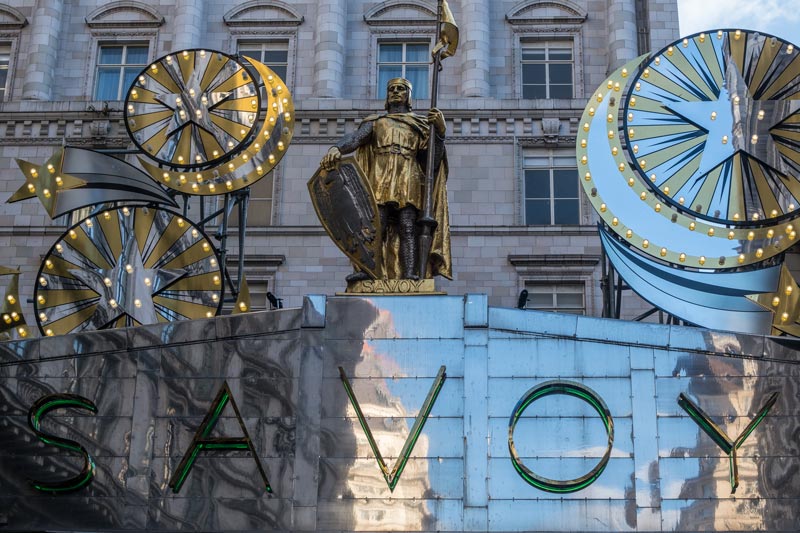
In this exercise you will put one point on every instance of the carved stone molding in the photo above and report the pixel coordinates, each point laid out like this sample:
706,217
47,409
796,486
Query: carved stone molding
11,19
260,13
546,12
125,14
398,13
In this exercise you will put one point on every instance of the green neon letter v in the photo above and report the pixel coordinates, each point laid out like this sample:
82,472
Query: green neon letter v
202,441
393,476
720,437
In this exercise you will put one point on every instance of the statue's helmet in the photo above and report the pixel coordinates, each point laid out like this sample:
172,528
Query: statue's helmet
399,81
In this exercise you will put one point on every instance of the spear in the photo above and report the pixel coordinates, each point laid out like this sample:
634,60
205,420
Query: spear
447,31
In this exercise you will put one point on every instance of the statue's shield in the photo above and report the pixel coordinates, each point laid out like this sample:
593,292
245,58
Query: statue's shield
346,207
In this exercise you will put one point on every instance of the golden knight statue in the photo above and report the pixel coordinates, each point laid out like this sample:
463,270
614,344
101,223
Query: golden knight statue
392,151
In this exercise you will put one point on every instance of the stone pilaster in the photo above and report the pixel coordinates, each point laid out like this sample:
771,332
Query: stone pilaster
43,51
622,34
329,48
474,48
189,24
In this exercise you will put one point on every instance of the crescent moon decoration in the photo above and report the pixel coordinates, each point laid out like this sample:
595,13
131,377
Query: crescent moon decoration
125,267
708,178
195,113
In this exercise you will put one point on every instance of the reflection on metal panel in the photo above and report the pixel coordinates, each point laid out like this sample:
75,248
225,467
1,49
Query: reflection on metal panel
153,387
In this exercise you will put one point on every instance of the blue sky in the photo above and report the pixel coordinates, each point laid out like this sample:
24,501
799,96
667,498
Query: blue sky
777,17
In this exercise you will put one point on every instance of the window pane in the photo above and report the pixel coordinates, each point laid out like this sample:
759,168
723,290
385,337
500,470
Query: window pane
390,53
533,54
127,81
107,84
534,91
567,212
386,73
540,300
561,54
537,184
259,212
536,162
418,76
565,183
417,53
565,299
272,57
280,71
561,91
110,55
537,212
137,55
263,187
561,74
533,73
251,49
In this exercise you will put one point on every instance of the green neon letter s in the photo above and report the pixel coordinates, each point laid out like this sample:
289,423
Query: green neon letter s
37,411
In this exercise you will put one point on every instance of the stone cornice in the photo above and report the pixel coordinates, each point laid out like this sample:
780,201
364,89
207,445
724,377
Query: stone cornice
554,260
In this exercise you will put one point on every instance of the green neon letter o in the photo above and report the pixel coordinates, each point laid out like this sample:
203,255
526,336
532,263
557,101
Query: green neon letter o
569,388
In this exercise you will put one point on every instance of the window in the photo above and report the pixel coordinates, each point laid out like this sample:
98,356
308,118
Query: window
5,59
117,67
259,210
551,188
274,54
547,70
404,60
560,297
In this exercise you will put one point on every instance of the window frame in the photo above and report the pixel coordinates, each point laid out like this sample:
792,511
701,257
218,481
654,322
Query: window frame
266,44
547,46
551,154
556,288
380,92
389,34
570,35
108,38
121,89
233,221
5,89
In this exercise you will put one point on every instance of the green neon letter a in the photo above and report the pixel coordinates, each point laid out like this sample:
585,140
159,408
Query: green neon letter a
203,441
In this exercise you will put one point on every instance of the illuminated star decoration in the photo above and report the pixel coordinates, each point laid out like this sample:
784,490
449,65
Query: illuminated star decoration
784,303
736,123
128,288
45,182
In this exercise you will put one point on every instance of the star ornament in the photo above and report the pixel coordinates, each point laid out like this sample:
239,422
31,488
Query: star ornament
784,303
127,289
734,122
713,122
45,182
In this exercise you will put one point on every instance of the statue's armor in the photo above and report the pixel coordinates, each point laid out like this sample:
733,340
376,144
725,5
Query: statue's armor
397,174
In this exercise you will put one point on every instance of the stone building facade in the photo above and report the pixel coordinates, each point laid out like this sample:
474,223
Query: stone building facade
512,96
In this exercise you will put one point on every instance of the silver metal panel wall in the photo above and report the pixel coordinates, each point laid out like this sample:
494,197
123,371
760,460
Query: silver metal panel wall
153,386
